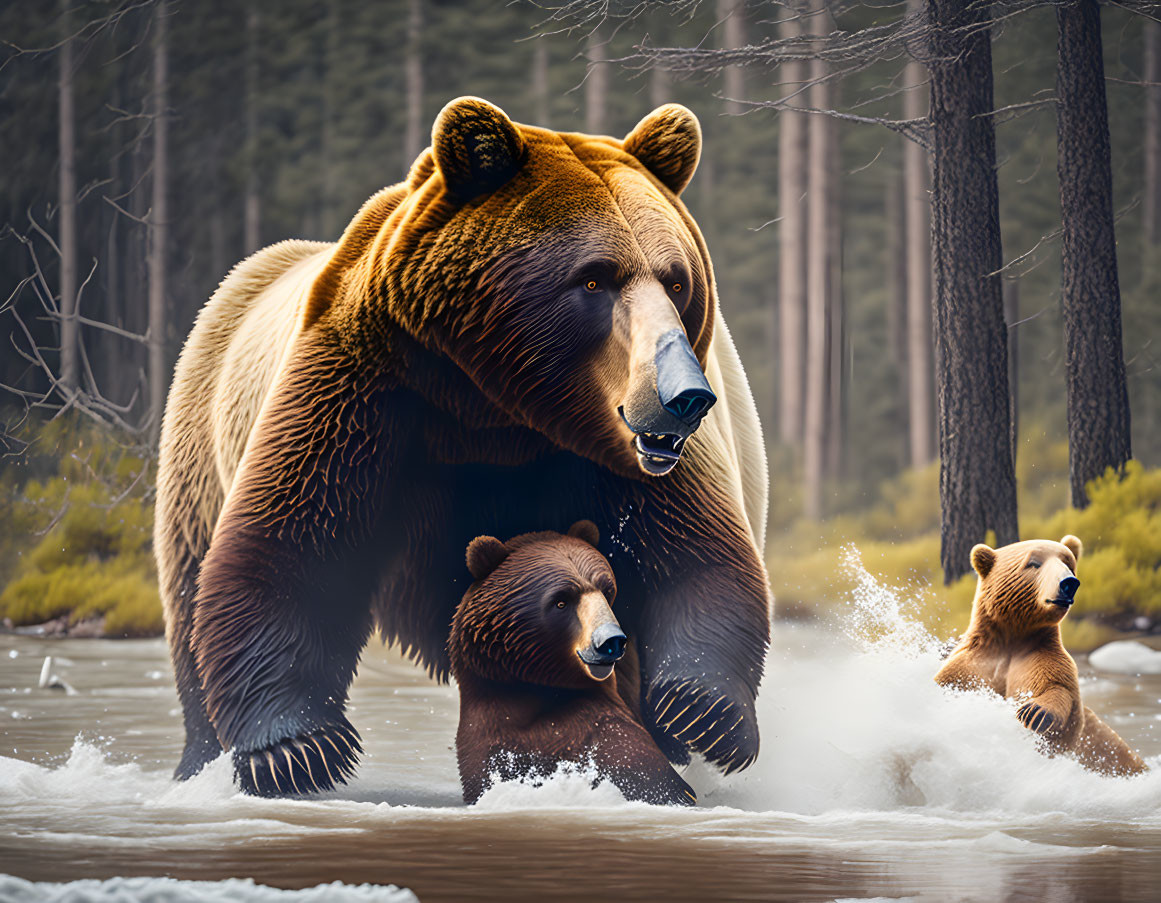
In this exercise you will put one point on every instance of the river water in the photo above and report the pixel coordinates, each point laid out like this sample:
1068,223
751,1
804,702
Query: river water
873,783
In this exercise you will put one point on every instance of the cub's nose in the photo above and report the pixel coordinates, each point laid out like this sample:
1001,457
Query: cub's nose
1068,588
609,642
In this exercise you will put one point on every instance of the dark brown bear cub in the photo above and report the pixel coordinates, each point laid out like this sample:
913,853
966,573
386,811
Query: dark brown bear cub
533,646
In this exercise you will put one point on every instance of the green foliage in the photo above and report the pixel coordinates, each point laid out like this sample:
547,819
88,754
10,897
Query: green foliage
78,542
898,540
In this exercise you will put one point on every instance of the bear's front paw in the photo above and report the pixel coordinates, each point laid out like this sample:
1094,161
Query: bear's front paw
687,716
307,764
1037,718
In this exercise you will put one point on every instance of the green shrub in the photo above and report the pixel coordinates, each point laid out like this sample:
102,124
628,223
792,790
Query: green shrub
79,542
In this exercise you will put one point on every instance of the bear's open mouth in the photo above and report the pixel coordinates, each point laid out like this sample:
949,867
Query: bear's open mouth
658,453
1063,603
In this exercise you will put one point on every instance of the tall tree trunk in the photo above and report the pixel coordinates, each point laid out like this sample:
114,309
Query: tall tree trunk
819,272
159,226
540,81
253,204
977,487
917,220
658,86
1151,208
895,266
596,84
792,152
330,224
67,190
730,14
1012,320
414,141
1098,400
835,311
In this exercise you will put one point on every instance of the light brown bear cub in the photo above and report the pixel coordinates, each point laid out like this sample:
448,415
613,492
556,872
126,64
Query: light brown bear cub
533,646
1013,647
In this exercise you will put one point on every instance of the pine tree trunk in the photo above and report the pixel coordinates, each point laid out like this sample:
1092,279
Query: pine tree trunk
730,14
1098,400
596,84
895,266
540,81
819,270
977,486
414,140
917,220
67,190
1151,207
329,214
792,151
159,227
835,303
253,204
1012,320
658,86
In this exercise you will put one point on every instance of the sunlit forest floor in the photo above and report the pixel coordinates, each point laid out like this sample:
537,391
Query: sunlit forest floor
76,510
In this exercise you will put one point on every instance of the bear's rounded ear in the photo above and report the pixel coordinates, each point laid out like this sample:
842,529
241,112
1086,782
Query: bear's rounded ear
586,531
668,143
1073,545
983,557
485,554
476,146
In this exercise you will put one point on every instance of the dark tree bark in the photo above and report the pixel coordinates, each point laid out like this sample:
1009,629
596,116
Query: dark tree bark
159,227
1098,399
1012,319
792,150
67,237
895,267
977,486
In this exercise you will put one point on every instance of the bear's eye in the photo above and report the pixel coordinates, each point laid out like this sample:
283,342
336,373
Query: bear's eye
1033,564
592,285
561,603
677,288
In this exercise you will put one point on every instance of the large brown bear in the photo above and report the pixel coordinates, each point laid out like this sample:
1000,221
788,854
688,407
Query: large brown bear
525,332
533,648
1013,648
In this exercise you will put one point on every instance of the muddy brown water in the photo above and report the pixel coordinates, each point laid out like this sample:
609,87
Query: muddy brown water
872,783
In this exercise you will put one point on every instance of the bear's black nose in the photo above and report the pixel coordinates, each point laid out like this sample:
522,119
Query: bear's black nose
609,641
681,386
1068,588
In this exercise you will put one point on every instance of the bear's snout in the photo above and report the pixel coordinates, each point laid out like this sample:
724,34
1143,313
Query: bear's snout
609,642
1067,591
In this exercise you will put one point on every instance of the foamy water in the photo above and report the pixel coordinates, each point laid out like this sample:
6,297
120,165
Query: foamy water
872,782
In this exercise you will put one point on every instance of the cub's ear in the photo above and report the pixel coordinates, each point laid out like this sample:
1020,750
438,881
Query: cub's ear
1073,545
587,531
476,146
983,557
668,143
485,554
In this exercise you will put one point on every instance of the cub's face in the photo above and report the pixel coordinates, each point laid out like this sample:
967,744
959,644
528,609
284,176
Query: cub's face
586,301
540,611
1027,585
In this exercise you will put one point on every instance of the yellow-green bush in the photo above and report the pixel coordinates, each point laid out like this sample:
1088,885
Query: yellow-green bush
79,543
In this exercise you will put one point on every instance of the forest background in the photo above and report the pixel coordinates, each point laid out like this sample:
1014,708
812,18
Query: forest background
277,120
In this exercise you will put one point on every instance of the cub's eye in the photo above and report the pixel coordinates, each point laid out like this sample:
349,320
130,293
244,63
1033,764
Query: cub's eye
560,603
1033,564
592,286
677,288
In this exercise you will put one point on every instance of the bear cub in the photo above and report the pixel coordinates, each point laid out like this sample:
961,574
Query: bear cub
533,647
1013,647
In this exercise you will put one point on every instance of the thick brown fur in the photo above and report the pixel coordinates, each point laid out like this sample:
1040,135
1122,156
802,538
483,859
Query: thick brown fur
1013,648
345,417
527,701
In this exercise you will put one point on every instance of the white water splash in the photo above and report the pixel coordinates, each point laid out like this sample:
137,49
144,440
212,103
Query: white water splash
170,890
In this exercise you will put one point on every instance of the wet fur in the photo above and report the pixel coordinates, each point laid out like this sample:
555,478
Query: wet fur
525,705
1013,648
345,417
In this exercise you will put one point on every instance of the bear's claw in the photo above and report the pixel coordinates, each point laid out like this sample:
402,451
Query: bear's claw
685,716
311,763
1036,718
